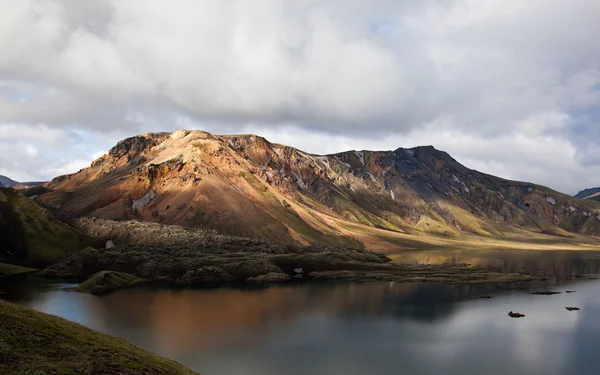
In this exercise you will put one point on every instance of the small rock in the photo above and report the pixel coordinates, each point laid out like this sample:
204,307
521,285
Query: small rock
545,293
486,297
299,270
515,315
572,308
109,244
570,291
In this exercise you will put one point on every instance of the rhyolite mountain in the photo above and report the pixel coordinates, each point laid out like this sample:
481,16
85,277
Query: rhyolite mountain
246,186
593,193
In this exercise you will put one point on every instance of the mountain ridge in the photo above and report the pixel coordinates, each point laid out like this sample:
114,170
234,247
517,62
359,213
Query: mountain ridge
10,183
245,185
591,193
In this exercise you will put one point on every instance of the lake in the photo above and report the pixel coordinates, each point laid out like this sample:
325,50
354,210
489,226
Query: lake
352,328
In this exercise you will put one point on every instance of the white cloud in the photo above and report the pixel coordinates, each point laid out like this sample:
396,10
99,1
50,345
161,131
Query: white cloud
362,73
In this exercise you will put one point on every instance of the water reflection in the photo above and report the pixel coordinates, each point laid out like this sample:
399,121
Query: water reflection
349,328
559,266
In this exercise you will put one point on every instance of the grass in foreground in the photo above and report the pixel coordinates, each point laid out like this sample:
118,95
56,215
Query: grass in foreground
12,269
36,343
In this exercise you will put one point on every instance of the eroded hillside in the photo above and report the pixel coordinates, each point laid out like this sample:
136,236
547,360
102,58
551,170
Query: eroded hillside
246,186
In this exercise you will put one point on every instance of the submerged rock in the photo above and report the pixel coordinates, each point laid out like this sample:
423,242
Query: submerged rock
270,278
545,293
202,275
570,291
572,308
515,315
107,281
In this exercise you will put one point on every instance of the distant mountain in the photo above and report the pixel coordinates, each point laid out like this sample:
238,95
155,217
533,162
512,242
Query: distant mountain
244,185
7,182
593,193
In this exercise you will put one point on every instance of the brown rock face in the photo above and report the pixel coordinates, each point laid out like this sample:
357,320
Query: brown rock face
246,186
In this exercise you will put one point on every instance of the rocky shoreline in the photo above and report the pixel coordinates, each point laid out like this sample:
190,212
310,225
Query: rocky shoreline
185,266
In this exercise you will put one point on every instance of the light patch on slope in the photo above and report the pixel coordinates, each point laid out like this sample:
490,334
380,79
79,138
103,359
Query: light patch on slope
307,156
410,152
341,162
455,178
392,194
465,187
277,151
551,200
140,203
573,209
298,180
598,217
360,156
325,161
372,177
270,174
237,188
425,165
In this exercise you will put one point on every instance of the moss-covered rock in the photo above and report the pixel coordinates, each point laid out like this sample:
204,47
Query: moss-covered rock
107,281
32,342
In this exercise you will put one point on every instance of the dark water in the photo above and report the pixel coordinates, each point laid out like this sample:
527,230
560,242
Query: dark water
349,328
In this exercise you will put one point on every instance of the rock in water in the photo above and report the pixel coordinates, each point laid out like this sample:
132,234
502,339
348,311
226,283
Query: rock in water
107,281
572,308
515,315
270,278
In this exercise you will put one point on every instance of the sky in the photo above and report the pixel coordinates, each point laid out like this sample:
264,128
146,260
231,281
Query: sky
507,87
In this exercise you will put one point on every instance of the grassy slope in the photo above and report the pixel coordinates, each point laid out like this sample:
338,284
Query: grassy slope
43,238
11,269
35,343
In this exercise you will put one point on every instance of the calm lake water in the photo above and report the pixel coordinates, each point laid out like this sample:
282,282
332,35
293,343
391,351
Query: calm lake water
350,328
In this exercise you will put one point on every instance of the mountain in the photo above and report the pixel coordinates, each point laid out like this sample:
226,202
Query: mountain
7,182
244,185
31,235
593,193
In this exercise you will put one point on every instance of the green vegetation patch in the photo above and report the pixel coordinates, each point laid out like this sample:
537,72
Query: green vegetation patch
11,269
36,343
107,281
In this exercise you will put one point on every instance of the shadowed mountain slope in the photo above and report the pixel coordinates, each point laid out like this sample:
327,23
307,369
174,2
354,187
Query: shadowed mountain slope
31,235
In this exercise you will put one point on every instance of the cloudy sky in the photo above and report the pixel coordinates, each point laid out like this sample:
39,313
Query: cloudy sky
508,87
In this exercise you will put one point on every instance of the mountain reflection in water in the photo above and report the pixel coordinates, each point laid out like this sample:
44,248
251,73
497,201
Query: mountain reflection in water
351,328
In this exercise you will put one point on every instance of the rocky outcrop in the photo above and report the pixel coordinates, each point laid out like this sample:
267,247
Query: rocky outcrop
201,265
107,281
